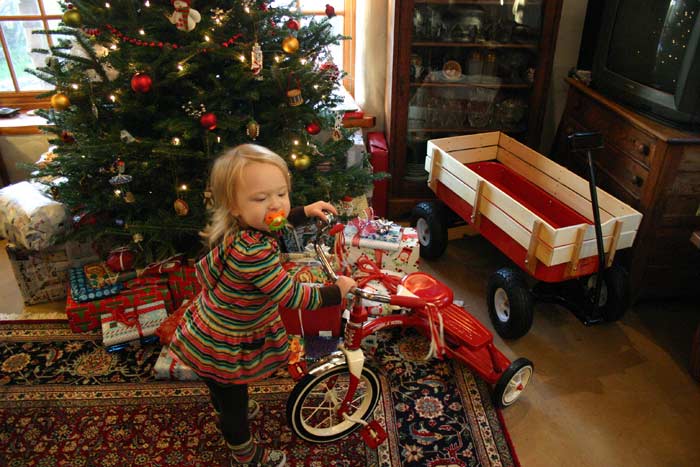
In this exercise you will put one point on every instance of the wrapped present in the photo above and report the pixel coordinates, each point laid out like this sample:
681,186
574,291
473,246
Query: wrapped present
403,260
42,275
132,323
169,367
93,282
29,218
183,284
83,317
373,233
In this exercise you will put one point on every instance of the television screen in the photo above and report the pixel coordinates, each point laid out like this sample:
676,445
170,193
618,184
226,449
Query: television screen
650,39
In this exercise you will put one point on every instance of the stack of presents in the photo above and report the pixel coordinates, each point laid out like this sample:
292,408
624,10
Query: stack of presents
133,306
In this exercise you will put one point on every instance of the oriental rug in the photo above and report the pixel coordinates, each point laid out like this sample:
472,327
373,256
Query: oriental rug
65,401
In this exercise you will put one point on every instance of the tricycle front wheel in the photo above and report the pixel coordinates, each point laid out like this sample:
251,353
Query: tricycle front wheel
510,303
430,220
312,407
512,382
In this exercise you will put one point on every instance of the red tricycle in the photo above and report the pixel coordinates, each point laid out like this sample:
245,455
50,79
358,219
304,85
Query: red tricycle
338,396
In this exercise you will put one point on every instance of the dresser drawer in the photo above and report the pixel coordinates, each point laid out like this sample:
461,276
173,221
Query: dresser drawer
604,180
630,140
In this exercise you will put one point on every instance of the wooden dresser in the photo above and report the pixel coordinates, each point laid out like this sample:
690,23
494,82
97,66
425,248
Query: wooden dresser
656,170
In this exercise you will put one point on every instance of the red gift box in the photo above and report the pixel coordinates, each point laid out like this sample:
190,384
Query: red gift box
183,284
83,317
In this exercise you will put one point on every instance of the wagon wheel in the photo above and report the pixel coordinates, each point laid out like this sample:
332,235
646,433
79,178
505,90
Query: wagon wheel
614,292
510,303
430,220
512,382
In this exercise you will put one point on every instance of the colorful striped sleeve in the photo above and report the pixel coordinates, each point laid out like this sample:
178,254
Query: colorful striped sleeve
256,259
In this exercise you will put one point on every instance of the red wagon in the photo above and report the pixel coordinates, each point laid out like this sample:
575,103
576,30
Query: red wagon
538,214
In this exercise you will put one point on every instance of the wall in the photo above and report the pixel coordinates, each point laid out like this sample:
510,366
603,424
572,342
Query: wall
21,149
573,15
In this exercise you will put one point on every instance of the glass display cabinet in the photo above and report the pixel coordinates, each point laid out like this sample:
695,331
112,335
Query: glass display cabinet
460,67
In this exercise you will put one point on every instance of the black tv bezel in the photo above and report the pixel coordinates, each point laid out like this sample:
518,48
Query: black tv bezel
681,109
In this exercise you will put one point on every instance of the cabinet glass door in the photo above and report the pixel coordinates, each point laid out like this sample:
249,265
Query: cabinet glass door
472,69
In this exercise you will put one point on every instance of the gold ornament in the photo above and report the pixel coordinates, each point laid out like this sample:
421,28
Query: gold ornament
252,129
302,162
290,44
129,197
60,101
181,207
72,18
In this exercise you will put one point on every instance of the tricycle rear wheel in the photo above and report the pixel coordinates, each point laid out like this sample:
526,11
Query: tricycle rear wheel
510,303
430,220
512,382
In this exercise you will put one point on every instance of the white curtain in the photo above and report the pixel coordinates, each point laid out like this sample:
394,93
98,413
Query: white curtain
371,57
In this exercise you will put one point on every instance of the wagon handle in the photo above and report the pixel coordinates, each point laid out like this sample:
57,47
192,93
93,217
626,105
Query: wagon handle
588,141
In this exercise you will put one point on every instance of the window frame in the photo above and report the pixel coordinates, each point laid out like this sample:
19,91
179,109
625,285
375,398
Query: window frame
24,99
27,99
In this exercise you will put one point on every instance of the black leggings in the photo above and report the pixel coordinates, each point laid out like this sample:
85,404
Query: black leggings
231,401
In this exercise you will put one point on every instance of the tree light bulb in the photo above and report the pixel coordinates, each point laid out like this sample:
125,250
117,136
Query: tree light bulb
303,61
147,4
74,86
247,9
107,5
277,58
183,187
112,98
218,139
180,66
296,142
294,156
241,58
142,32
117,192
206,38
176,141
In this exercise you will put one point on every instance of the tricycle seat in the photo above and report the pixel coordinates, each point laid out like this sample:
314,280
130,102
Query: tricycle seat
428,288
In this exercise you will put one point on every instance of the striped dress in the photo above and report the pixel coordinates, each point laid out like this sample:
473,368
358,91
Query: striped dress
232,332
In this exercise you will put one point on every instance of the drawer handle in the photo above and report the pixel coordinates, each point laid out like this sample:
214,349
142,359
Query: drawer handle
637,180
641,148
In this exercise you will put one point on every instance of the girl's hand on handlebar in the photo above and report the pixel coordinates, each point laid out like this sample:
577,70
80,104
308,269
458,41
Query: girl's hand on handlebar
345,284
317,210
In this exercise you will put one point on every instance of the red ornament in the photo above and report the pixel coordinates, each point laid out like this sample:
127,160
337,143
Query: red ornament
330,11
293,24
330,69
313,128
208,121
121,259
141,82
67,138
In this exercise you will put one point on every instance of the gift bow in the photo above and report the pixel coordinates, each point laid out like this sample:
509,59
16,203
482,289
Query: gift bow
372,272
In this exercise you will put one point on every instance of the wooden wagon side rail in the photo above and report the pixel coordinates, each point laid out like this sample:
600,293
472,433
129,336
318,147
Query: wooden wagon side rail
446,161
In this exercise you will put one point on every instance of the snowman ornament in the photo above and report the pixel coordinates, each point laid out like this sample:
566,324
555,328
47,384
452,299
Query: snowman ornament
184,17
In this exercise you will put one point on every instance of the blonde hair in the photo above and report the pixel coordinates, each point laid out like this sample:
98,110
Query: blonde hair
226,175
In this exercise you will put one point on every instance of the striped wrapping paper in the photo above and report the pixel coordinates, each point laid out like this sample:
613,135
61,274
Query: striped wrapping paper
132,323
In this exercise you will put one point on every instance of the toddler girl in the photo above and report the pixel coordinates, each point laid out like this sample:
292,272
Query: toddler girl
231,334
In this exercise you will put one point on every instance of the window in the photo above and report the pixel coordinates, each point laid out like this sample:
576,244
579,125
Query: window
343,23
18,18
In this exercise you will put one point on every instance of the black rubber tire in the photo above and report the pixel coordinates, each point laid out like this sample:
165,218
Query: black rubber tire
615,301
504,381
310,383
514,318
432,231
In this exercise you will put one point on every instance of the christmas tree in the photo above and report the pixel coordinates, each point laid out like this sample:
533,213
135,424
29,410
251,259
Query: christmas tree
149,92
